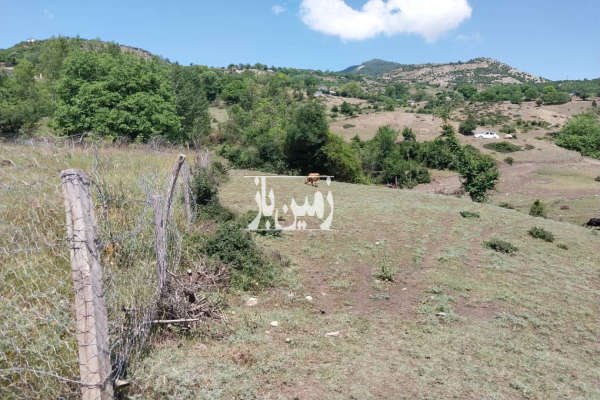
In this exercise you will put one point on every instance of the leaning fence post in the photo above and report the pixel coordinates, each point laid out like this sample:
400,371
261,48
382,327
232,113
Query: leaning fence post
161,211
90,310
185,170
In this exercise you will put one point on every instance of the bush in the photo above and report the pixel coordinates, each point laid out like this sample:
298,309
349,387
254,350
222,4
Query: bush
478,172
597,179
340,160
266,226
502,147
469,214
540,233
538,209
468,126
235,247
501,246
204,187
581,133
509,160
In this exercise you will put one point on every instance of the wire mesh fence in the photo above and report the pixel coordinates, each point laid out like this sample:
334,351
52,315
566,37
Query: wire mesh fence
38,344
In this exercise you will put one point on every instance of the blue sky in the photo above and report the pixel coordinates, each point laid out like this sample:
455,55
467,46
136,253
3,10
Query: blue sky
556,39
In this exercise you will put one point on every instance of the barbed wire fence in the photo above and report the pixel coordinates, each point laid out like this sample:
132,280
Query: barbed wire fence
38,332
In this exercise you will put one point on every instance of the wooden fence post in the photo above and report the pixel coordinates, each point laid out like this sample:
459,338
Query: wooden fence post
161,211
185,170
90,310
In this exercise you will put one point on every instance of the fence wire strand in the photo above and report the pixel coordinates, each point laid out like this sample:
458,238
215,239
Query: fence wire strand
38,346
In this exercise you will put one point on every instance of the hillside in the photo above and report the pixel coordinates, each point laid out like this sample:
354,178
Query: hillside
458,320
375,67
31,49
479,71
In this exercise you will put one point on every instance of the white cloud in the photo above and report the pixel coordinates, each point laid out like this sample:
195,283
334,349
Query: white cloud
277,9
428,18
48,14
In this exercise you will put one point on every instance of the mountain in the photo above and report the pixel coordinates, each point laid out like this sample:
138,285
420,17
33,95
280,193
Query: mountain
375,67
479,72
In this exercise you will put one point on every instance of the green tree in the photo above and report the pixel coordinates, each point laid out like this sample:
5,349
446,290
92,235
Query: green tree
346,108
120,95
351,89
191,105
306,135
581,133
467,91
478,172
468,126
340,160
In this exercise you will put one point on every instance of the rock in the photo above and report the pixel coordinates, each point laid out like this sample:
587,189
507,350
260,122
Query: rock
441,314
309,298
335,333
288,340
251,302
274,323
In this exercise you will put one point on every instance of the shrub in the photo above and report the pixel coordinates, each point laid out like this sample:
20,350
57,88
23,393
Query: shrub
468,126
204,187
501,246
348,126
540,233
509,160
529,147
478,172
502,147
235,247
508,129
538,209
266,226
469,214
597,179
384,270
340,160
581,133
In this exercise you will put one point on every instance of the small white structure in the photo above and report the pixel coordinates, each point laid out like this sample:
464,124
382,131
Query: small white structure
487,135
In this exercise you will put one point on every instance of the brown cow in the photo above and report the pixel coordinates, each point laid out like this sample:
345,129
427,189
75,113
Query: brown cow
313,178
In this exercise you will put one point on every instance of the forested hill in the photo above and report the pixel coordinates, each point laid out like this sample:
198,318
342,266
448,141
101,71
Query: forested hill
479,72
31,49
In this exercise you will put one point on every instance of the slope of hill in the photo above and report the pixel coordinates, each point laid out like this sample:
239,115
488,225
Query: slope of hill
375,67
31,49
479,71
458,321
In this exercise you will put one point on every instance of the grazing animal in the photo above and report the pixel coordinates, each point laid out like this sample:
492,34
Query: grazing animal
594,222
313,178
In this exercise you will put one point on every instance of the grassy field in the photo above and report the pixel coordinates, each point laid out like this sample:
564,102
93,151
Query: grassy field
457,320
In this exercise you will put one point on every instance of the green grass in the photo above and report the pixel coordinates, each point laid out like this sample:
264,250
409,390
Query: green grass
502,147
459,321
